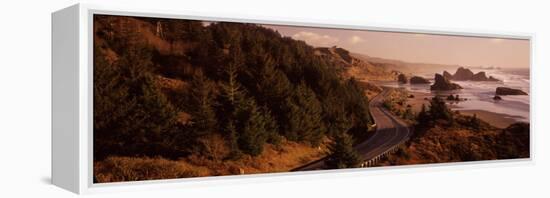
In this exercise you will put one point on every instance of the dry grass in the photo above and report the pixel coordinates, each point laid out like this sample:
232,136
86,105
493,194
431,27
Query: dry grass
371,90
282,158
439,145
115,169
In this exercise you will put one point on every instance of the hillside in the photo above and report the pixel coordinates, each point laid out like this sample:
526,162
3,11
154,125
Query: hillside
441,144
403,66
358,68
442,135
167,91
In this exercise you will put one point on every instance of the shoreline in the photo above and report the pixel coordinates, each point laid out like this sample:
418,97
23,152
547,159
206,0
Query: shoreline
498,120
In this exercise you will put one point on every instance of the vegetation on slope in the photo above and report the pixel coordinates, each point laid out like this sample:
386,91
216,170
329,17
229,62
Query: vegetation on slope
165,88
442,135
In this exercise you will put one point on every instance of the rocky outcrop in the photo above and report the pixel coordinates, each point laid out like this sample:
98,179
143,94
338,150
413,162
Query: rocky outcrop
356,65
402,79
344,54
337,55
493,79
463,74
418,80
443,84
497,98
447,75
481,76
502,91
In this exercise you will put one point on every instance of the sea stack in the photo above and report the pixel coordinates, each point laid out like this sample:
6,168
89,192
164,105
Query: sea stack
480,76
418,80
447,75
443,84
463,74
402,79
502,91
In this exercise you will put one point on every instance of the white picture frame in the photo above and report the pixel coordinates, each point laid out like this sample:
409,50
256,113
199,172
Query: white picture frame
72,70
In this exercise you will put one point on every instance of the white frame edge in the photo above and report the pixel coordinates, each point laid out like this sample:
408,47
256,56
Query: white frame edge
65,101
72,75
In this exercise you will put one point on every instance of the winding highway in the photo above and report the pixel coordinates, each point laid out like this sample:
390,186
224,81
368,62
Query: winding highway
391,131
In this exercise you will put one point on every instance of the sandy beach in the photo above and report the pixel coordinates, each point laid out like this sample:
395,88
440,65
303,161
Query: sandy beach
496,119
418,99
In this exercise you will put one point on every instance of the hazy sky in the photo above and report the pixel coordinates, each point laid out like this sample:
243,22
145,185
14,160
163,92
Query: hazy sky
421,48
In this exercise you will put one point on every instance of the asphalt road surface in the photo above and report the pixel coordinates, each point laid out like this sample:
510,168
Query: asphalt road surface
390,131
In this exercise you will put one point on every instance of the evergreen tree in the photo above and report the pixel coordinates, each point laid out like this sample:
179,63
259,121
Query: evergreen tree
342,154
271,88
336,118
256,82
230,93
357,105
303,120
271,127
245,121
408,114
232,136
252,126
438,110
474,122
201,104
232,89
131,114
110,94
423,117
272,85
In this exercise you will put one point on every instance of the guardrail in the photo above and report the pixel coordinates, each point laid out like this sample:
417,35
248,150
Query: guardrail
375,160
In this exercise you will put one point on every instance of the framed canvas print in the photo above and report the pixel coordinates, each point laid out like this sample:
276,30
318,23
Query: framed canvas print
157,98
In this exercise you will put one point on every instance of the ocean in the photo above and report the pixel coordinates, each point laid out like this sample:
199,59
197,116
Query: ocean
480,94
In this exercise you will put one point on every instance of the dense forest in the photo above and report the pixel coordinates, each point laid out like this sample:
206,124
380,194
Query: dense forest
162,86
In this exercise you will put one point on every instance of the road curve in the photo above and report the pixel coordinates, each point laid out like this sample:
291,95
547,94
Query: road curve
390,132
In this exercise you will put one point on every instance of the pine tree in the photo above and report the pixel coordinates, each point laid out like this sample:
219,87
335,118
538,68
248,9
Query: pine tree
357,104
408,114
475,123
232,136
271,127
201,104
245,120
438,110
232,89
130,111
423,117
272,84
337,122
227,102
109,92
342,154
303,120
251,124
271,89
